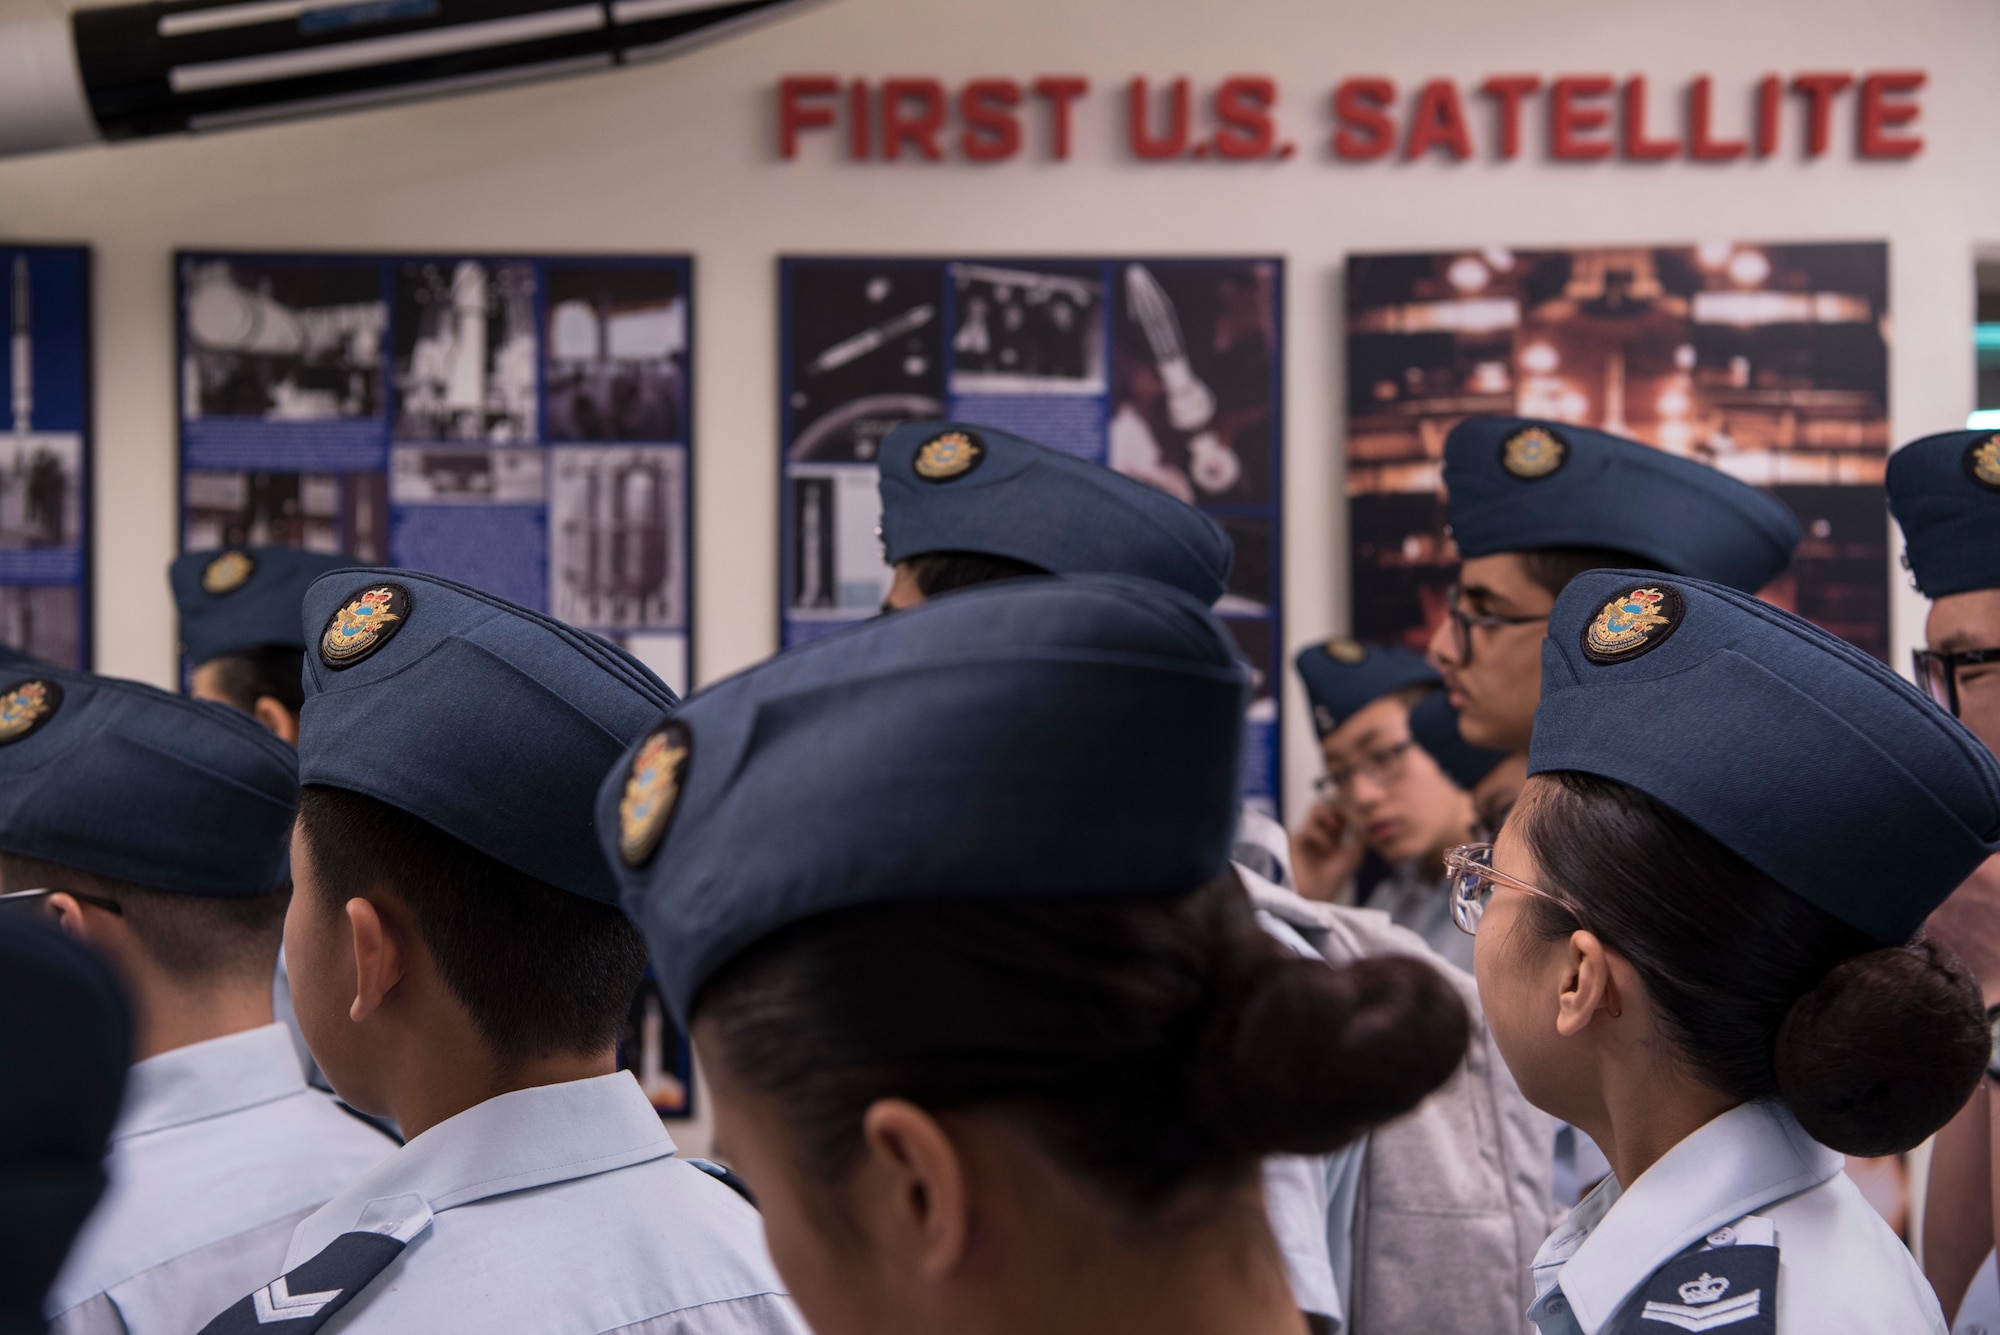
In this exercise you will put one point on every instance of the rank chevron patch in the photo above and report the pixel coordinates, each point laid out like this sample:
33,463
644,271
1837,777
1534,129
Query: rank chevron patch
1732,1289
276,1302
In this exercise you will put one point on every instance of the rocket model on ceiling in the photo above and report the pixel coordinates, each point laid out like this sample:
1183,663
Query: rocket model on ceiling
126,71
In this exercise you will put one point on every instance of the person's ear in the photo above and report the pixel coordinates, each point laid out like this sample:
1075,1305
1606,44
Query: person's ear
1593,985
914,1181
271,712
378,959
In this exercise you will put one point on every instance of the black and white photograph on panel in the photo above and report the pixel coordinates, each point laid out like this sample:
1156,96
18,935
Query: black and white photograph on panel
836,548
615,352
45,620
1027,329
465,351
241,509
616,536
283,341
439,475
866,349
41,480
1192,403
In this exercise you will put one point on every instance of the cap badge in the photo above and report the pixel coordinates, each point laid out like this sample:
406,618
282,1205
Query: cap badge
1982,463
227,573
944,457
26,707
1632,623
651,791
1346,651
363,624
1533,453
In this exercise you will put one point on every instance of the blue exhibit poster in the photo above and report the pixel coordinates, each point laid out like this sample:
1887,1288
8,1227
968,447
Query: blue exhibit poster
1167,370
518,423
45,456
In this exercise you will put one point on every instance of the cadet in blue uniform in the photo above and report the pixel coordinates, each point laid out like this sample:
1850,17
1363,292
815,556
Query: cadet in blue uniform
1699,940
239,611
155,828
460,964
964,505
1534,504
993,1030
1491,777
1381,790
1945,492
65,1039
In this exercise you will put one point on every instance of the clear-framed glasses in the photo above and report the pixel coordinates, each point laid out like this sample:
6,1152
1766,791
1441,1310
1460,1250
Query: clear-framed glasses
95,901
1382,766
1463,622
1473,880
1937,673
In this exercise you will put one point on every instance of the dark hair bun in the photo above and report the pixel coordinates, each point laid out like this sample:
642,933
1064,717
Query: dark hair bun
1884,1050
1300,1058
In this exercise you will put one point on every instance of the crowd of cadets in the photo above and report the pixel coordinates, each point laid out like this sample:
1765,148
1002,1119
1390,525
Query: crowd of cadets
1621,915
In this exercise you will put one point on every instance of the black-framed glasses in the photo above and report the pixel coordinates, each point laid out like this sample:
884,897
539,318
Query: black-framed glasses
1383,766
1462,623
95,901
1937,673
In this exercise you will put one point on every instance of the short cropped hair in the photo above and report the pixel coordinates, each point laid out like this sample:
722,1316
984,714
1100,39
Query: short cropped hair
540,970
193,938
1554,567
942,572
268,670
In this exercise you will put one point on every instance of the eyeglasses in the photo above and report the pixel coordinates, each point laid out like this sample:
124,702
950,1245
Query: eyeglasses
95,901
1473,880
1462,623
1383,767
1938,673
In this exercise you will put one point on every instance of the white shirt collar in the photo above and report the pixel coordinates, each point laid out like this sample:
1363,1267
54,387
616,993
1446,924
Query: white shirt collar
1749,1157
208,1079
525,1138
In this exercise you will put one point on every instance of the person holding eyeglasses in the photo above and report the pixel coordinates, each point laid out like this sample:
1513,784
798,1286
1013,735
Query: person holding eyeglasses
155,829
1700,938
1534,504
1944,491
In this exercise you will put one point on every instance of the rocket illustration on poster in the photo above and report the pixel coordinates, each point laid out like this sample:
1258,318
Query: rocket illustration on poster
1166,370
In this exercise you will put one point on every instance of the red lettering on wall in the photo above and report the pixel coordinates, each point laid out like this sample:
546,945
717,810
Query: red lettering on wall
1571,117
992,132
1366,130
795,113
1508,91
858,104
1061,92
1145,144
1636,146
1438,121
1703,146
1878,114
1243,115
1770,95
919,131
1819,90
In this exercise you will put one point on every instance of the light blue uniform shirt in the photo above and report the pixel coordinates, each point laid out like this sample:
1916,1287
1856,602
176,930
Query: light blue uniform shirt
219,1152
1750,1177
1311,1200
554,1209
